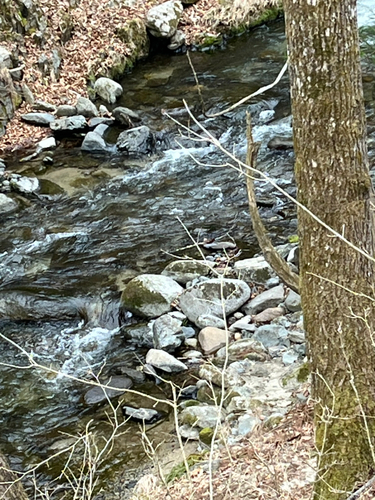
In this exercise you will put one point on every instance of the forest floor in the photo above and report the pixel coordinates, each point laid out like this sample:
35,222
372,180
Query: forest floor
94,46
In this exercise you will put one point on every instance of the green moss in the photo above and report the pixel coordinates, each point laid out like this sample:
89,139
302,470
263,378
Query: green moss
266,16
293,238
211,41
208,395
179,470
303,373
206,435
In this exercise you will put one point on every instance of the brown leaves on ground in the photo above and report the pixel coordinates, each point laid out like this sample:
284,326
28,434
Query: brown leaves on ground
271,465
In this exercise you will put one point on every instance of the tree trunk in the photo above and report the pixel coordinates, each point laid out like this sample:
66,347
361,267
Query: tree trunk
337,282
10,489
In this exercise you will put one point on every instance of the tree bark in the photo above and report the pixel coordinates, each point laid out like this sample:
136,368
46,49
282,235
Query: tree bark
336,281
10,488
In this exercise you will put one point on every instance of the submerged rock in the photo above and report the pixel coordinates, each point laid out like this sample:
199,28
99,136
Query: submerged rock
99,395
150,295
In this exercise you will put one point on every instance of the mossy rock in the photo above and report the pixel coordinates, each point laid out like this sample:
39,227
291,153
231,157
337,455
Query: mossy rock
179,470
206,435
207,394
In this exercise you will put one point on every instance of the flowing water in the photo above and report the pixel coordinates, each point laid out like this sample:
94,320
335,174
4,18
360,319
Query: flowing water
98,221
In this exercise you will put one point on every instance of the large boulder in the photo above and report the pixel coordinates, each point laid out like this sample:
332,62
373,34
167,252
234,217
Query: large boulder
214,297
150,295
162,20
108,89
136,141
187,270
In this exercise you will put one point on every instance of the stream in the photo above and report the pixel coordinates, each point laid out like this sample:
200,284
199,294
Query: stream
101,220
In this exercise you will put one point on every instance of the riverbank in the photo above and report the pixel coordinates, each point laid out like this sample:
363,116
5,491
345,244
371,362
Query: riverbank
91,39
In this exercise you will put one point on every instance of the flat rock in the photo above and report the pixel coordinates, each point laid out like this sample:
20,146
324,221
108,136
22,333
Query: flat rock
164,361
46,144
244,348
150,295
97,395
183,271
255,270
268,315
69,124
211,339
86,108
40,119
44,106
108,89
147,415
244,323
66,110
213,297
272,335
281,143
270,298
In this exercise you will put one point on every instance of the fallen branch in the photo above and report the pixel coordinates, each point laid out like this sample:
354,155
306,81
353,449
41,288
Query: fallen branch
363,489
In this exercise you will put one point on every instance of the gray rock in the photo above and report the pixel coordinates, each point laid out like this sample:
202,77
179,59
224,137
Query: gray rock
212,374
177,40
255,270
293,301
7,205
162,20
290,357
268,315
243,348
206,320
243,324
183,271
99,120
69,124
147,415
41,119
281,143
125,116
270,298
201,416
26,185
164,361
140,334
272,335
213,297
136,141
167,333
46,144
108,89
99,395
247,423
66,110
101,129
93,142
266,116
297,337
212,339
44,106
188,432
150,295
86,108
5,58
192,355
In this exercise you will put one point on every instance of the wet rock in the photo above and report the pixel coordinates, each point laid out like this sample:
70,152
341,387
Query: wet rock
167,333
147,415
270,298
136,141
268,315
213,297
46,144
140,334
7,205
162,20
201,416
108,89
69,124
150,295
125,116
26,185
40,119
266,116
255,270
272,335
183,271
164,361
177,40
97,395
66,110
93,142
86,108
293,301
211,339
44,106
244,348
